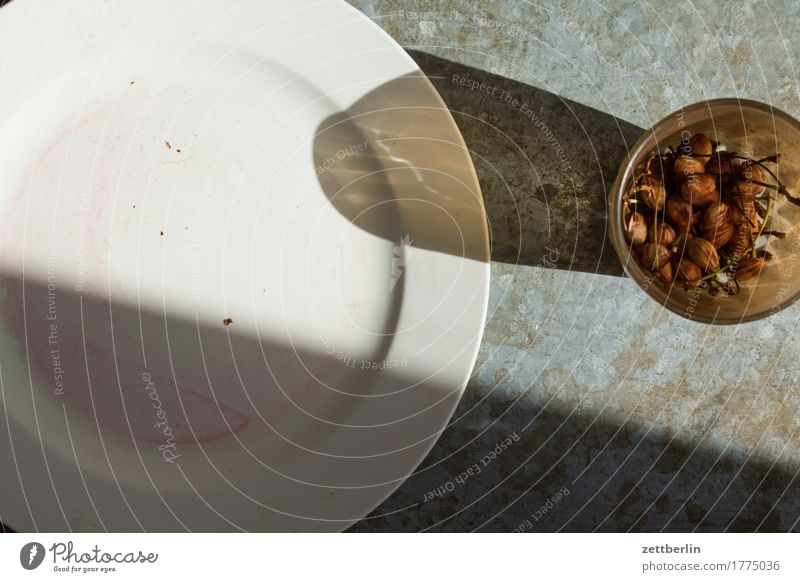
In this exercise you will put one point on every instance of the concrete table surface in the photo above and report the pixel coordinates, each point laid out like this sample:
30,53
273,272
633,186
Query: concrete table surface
590,406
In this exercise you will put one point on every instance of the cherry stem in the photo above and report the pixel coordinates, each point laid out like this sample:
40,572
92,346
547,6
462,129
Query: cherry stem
775,233
779,188
773,158
782,189
763,224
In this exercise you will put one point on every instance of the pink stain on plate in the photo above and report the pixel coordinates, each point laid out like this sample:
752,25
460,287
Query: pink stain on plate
98,366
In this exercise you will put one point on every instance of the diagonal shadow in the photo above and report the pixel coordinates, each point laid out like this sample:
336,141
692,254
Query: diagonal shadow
545,166
618,476
96,444
544,170
569,472
527,454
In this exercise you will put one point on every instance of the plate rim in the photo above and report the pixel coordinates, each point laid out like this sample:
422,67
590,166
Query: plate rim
19,9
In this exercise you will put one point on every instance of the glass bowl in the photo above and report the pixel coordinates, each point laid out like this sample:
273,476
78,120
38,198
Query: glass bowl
754,129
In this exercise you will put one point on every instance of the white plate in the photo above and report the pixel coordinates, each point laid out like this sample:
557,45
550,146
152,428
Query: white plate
167,166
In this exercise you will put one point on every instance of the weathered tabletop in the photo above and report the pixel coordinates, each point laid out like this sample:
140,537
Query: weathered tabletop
591,407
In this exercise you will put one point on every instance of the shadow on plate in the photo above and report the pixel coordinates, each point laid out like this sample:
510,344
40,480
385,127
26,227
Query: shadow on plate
397,148
123,417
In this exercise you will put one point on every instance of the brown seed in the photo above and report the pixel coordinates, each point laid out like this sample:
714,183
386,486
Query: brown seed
719,235
744,211
680,214
701,145
666,273
660,232
686,166
703,254
653,256
689,272
747,170
652,193
737,214
717,214
749,268
746,189
636,229
700,190
719,165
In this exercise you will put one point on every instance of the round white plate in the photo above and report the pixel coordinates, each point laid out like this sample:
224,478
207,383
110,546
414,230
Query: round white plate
244,265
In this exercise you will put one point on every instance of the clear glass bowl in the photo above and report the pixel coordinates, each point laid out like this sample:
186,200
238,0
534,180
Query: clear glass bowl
757,130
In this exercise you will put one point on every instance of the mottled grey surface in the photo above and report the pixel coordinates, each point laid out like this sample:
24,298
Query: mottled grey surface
591,407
